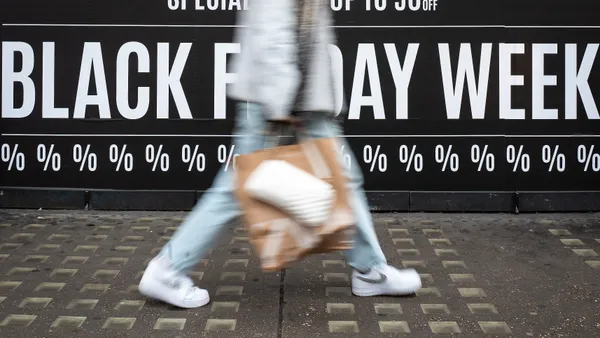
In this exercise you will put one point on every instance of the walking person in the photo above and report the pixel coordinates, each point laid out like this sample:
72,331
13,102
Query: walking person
284,67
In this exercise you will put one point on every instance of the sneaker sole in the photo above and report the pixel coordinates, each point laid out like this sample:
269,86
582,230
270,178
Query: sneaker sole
158,292
371,292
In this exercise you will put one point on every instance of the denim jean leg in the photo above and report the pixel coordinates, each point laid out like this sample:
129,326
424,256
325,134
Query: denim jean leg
366,252
218,205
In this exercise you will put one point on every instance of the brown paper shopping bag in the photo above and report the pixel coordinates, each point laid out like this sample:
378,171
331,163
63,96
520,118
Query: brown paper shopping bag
280,239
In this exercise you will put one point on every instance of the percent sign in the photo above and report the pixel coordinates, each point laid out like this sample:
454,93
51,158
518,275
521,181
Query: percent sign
347,157
48,157
193,158
553,158
156,157
482,157
227,157
121,157
445,157
13,157
84,157
518,158
375,158
588,157
412,160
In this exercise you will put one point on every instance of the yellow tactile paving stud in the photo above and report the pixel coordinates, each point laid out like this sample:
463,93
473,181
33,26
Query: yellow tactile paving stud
220,325
20,320
429,292
233,276
86,248
343,326
119,323
10,246
22,236
454,264
594,264
388,308
125,248
236,263
4,257
48,247
414,264
571,241
115,261
495,327
462,277
75,260
82,304
139,228
398,232
435,309
49,287
106,228
426,277
130,305
34,226
106,274
58,237
433,232
68,322
440,241
404,242
472,292
96,238
34,303
408,252
336,277
444,327
39,259
340,308
560,232
393,327
172,324
101,288
20,271
225,307
585,252
230,291
445,252
482,308
63,273
337,291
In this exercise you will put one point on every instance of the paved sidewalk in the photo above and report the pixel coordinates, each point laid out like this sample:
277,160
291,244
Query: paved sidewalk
74,274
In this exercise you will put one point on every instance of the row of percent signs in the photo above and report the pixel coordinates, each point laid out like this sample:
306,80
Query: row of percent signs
480,155
122,159
445,156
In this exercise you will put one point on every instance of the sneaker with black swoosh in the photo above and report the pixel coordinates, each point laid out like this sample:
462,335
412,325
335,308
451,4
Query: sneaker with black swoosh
385,280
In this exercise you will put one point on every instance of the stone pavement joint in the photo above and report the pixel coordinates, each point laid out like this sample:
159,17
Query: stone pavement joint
75,273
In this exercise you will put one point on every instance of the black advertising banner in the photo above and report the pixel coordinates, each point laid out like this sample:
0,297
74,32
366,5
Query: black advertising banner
461,95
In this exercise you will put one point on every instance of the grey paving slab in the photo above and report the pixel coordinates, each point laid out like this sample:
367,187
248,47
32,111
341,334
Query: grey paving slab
74,274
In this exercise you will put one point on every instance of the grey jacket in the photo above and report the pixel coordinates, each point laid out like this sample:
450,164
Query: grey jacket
269,68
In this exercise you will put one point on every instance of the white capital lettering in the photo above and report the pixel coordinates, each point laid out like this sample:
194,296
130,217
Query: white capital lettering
577,81
48,85
539,80
123,80
401,75
91,60
366,59
222,77
169,81
10,76
507,80
465,69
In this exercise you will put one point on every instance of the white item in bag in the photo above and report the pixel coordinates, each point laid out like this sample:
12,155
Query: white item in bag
304,197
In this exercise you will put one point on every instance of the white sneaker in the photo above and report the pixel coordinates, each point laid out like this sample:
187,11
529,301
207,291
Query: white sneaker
165,284
385,280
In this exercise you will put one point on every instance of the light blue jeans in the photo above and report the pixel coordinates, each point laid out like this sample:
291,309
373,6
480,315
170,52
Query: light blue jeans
218,205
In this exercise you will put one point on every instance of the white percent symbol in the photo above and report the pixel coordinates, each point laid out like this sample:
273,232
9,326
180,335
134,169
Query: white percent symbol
482,157
375,158
85,157
156,157
227,157
446,156
412,160
13,157
588,158
553,158
121,157
347,157
518,158
48,157
192,158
